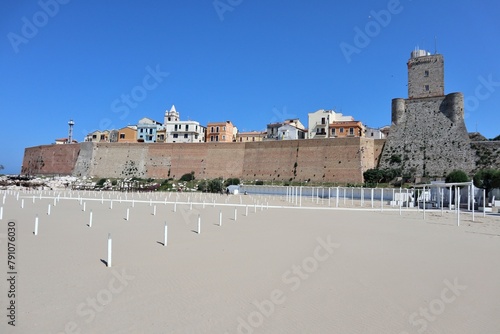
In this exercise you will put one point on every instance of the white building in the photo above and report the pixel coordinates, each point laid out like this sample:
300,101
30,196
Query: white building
178,131
374,133
319,122
291,132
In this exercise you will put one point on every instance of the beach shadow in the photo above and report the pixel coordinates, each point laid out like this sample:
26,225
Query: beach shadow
194,231
105,262
161,243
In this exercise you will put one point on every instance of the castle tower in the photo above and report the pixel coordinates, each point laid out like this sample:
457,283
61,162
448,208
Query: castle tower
425,75
171,116
428,136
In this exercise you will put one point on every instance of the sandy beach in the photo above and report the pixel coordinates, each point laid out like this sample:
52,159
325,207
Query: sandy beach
276,268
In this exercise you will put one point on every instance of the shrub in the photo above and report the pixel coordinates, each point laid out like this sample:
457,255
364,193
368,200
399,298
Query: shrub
259,183
231,181
187,177
457,176
487,179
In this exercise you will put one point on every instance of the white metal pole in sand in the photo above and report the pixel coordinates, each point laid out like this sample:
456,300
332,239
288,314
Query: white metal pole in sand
33,199
175,207
110,243
84,206
468,197
458,206
254,208
235,214
372,197
442,201
424,203
329,197
381,199
473,200
165,235
90,219
3,200
337,198
48,210
1,212
484,202
128,214
400,201
352,196
36,225
154,210
22,203
199,224
300,200
220,217
111,204
133,202
246,211
191,206
407,198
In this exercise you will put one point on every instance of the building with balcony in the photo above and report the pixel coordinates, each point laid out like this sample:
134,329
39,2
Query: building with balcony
177,131
98,136
147,130
221,132
273,128
343,129
320,121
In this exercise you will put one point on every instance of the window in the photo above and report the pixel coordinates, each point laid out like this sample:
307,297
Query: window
341,130
427,88
217,129
176,135
150,131
253,138
333,132
317,130
150,138
161,137
122,136
323,120
223,137
426,73
211,138
212,129
216,138
351,131
169,119
175,127
103,137
94,136
187,127
195,136
185,135
223,128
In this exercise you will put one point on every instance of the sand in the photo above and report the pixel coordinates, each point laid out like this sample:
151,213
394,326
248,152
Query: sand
281,269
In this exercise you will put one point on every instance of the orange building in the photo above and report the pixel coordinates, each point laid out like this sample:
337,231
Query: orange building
221,132
250,136
346,129
127,134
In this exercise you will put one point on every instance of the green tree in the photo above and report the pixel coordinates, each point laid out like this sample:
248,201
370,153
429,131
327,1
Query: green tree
487,179
456,176
231,181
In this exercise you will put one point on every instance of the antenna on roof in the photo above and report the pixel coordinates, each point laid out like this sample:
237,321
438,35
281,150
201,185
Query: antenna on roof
435,45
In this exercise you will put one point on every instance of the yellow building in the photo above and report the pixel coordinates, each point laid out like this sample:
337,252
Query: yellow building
127,134
250,136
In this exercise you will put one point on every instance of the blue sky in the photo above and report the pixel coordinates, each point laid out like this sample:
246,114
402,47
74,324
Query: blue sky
251,62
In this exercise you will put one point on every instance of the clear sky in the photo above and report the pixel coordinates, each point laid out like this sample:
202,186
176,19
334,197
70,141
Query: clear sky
107,64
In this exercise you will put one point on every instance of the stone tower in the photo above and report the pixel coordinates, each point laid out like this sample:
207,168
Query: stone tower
428,136
171,116
425,75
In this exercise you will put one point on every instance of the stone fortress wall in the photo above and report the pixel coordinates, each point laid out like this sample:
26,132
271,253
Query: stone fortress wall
322,160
